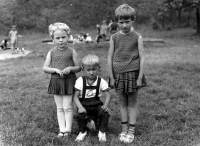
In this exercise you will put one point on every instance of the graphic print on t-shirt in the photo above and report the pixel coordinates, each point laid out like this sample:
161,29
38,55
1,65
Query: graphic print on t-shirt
90,93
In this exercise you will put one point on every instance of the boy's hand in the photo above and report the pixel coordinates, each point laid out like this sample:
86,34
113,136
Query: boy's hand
105,108
139,83
82,110
66,71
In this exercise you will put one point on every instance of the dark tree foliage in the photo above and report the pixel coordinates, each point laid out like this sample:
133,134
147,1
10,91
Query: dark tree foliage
38,14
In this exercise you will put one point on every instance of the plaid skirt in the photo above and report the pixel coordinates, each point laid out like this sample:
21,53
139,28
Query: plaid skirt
127,82
62,86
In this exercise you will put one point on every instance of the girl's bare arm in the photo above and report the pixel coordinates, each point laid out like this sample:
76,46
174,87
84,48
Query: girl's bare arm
142,56
46,66
110,58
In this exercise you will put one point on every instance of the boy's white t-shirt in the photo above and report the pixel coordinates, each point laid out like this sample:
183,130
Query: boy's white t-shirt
90,93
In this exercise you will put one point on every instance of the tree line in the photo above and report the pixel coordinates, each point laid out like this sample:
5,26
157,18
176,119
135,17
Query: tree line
38,14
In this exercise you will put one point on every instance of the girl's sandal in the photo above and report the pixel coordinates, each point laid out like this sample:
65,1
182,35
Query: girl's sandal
66,133
129,138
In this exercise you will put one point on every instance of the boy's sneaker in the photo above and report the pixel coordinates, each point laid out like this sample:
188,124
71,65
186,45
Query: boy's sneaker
102,136
81,136
122,136
129,138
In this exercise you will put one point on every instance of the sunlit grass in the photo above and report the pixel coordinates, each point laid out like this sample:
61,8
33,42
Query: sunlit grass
169,112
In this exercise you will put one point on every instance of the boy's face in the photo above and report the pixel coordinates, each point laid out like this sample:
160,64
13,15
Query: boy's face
60,38
91,71
125,25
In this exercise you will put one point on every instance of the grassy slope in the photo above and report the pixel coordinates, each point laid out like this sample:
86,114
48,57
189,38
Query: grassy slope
169,112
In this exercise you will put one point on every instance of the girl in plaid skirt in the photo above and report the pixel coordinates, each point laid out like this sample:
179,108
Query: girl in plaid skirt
126,69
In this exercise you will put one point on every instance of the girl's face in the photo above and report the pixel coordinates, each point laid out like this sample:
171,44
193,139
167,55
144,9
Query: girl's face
91,71
60,38
125,25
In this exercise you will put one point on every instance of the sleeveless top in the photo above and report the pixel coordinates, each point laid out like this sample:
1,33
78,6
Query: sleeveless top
61,59
126,54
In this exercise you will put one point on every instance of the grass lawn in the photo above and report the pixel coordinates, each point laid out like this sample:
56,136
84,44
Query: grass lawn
169,111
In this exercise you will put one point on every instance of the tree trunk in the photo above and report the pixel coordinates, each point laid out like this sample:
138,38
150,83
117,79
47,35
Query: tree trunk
198,20
13,21
188,19
163,20
179,17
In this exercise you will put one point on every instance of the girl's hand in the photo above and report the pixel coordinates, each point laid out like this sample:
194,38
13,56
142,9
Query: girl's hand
82,110
112,83
105,108
66,71
139,83
59,72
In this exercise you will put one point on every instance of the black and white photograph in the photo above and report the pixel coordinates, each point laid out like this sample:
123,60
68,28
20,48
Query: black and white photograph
100,73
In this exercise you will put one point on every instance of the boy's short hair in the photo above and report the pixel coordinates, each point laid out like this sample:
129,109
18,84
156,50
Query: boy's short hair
125,11
90,60
58,26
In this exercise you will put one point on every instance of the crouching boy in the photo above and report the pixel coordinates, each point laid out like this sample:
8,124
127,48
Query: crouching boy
88,90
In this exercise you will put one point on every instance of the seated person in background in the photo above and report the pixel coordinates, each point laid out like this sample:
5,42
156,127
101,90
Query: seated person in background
76,39
88,90
88,38
4,44
70,40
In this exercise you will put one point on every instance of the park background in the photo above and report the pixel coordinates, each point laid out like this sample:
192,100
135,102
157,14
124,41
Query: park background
169,112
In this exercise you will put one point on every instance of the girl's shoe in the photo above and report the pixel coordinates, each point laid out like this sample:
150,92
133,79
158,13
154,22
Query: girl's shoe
122,136
81,136
129,138
62,134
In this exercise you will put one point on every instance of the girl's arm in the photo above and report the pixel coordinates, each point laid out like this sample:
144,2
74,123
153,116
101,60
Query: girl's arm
9,36
108,98
46,66
76,68
110,59
141,56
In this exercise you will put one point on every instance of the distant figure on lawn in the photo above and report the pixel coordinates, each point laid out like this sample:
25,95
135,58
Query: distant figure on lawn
4,44
88,38
104,30
62,63
126,69
13,39
88,90
112,27
99,36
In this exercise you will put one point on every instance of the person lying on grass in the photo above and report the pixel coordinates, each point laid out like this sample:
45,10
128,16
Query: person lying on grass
88,90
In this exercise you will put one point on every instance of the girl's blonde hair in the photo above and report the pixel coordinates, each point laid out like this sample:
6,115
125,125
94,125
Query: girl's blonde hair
125,11
58,26
90,60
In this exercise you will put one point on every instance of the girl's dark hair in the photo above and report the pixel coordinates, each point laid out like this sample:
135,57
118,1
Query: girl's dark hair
125,11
